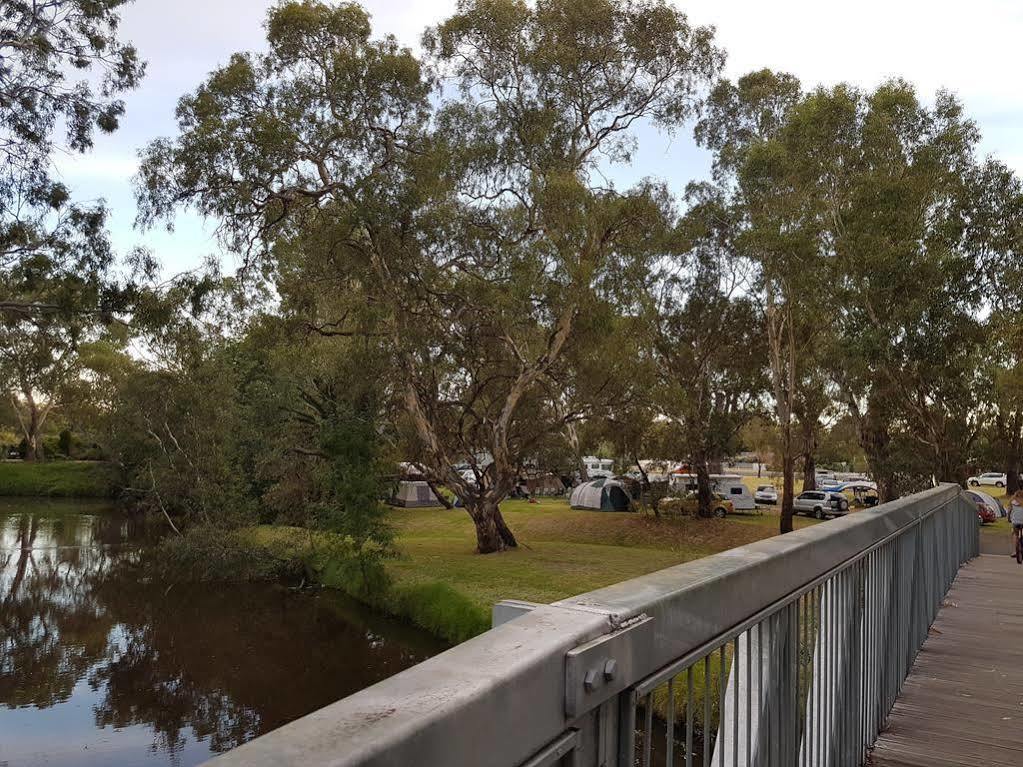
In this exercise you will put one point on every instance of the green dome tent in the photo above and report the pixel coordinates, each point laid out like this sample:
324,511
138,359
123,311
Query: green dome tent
600,495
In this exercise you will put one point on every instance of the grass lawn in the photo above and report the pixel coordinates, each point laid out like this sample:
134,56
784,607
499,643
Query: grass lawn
561,552
57,479
441,583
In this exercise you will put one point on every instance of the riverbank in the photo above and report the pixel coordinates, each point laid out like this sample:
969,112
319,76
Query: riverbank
441,584
56,479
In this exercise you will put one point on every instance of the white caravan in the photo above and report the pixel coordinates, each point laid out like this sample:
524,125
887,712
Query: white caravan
599,467
730,486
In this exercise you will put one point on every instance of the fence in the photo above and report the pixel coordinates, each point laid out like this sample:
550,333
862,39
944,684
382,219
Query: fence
789,651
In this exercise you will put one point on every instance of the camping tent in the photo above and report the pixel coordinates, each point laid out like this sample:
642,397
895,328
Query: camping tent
414,494
600,495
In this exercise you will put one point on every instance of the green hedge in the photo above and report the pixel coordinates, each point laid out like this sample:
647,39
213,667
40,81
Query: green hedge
57,479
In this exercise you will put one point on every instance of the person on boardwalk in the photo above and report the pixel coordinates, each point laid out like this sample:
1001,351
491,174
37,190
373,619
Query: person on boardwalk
1016,518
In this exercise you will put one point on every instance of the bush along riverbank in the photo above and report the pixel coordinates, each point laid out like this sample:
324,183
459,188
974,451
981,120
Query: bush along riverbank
431,604
303,558
57,479
437,581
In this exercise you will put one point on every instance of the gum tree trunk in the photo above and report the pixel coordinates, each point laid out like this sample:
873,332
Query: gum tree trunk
492,534
788,491
809,462
703,490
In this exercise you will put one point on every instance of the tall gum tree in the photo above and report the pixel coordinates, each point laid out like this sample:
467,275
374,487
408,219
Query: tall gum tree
742,118
707,338
885,187
467,226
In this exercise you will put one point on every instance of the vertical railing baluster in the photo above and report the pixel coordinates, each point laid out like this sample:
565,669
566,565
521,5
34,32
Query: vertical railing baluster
670,734
689,717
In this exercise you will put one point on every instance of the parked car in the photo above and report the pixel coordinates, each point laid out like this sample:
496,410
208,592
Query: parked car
766,494
988,502
988,478
690,505
820,504
985,514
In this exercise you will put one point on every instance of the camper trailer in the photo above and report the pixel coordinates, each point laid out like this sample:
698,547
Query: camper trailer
599,467
730,486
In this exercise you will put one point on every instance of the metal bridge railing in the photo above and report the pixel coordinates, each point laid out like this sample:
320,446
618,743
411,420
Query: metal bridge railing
789,651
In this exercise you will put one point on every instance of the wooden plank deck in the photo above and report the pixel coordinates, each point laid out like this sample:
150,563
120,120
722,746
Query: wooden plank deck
963,701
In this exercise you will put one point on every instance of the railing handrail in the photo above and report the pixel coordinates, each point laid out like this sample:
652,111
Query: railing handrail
502,696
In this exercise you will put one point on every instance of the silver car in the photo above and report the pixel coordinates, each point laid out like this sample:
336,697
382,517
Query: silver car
820,504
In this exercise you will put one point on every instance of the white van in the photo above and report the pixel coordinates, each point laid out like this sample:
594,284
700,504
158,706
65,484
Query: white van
599,467
730,486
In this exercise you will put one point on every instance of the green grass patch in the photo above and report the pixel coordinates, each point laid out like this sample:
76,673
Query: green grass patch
56,479
440,583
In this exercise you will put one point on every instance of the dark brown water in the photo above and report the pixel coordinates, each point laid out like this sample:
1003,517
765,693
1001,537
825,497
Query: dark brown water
97,668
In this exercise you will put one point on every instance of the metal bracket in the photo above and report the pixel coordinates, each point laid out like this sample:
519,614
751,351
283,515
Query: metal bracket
605,666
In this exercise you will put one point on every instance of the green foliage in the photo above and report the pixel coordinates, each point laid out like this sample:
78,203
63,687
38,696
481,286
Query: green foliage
64,442
440,609
356,479
44,45
204,553
56,286
59,479
468,232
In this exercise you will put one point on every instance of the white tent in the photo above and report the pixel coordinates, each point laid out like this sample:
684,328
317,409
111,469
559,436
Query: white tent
414,494
600,495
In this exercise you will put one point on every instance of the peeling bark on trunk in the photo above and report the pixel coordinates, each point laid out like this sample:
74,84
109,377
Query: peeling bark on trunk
438,494
704,493
781,342
788,492
573,441
33,425
809,433
492,534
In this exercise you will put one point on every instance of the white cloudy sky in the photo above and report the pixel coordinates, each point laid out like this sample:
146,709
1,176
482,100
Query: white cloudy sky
971,48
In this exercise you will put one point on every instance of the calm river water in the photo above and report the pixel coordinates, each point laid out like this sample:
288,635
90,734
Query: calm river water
99,669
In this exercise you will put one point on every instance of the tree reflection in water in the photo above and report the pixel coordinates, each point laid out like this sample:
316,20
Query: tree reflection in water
200,665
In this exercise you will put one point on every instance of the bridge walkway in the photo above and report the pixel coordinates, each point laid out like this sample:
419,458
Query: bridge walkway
963,701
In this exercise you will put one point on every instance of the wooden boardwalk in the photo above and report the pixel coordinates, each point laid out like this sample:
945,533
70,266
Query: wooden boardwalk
963,701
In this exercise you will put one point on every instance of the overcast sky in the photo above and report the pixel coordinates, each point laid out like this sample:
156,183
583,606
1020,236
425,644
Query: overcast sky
970,48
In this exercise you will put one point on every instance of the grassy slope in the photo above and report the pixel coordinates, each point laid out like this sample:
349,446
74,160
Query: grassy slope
442,584
62,479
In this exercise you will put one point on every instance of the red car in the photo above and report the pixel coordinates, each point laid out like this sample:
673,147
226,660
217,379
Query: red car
985,515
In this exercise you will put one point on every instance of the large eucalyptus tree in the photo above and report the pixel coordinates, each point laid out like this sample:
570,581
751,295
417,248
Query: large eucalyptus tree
453,207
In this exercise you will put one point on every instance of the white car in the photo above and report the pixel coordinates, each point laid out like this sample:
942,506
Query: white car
820,504
989,478
988,501
825,482
766,494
